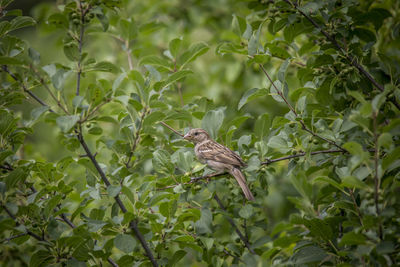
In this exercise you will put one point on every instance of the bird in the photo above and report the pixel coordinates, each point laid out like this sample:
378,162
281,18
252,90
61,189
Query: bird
218,157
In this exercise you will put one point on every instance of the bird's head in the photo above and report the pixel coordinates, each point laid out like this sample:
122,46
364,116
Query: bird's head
196,135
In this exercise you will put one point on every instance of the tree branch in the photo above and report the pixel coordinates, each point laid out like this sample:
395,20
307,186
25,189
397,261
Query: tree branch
230,220
132,224
303,125
4,67
37,237
353,61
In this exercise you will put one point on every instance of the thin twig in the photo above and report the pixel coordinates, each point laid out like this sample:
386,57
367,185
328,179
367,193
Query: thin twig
95,110
41,80
80,44
233,256
352,60
172,129
12,216
303,125
128,54
137,137
4,67
302,154
376,176
351,191
230,220
12,237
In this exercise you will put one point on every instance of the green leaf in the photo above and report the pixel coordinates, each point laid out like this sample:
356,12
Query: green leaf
354,148
9,61
125,243
302,185
385,140
276,51
378,101
352,238
212,121
95,130
21,22
153,117
104,66
279,143
162,162
59,77
176,76
365,34
128,29
307,255
66,123
282,70
353,182
36,113
326,179
192,53
203,225
156,61
34,55
113,190
319,228
253,45
4,27
14,177
239,24
175,46
246,211
178,255
251,94
184,238
129,194
390,158
41,258
71,51
274,91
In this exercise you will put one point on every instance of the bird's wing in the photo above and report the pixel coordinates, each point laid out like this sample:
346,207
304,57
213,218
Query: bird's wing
211,150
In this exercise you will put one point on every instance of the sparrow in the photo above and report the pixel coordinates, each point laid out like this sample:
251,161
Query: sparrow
218,157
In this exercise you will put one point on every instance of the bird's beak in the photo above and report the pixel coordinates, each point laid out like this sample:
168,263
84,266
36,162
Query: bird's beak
187,136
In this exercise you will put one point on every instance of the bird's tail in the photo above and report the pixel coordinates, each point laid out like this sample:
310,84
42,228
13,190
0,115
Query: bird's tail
242,183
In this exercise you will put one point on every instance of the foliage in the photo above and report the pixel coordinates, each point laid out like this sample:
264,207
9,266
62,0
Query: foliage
307,93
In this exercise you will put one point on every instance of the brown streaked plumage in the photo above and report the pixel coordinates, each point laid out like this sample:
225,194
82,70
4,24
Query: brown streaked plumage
218,157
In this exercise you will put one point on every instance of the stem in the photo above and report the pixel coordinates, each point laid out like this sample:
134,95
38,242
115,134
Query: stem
230,220
353,61
376,177
128,54
80,44
303,125
137,137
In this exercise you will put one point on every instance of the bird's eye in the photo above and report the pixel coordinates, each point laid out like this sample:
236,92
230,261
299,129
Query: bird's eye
196,133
